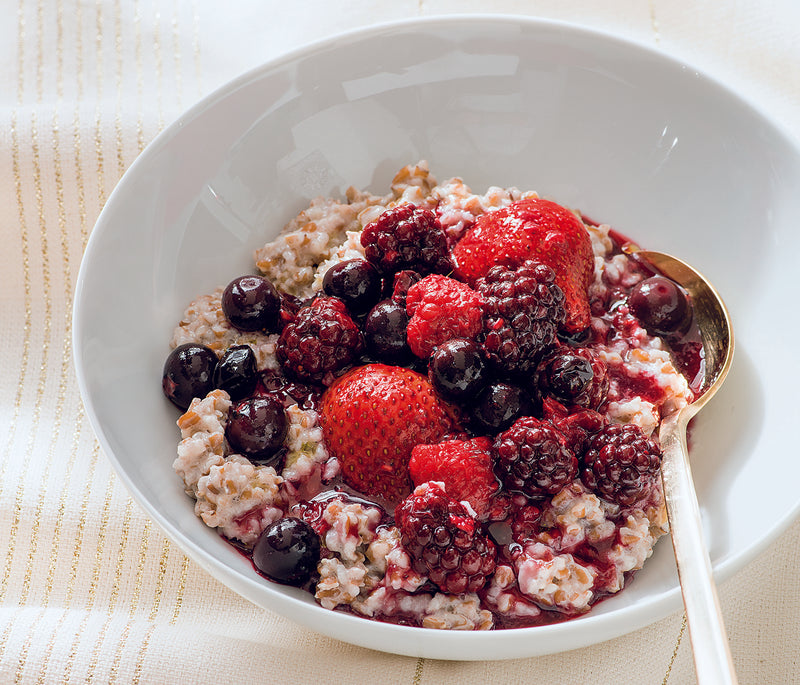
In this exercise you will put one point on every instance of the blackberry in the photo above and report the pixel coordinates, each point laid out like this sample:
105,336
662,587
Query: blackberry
533,458
444,541
320,342
407,237
523,310
621,463
574,376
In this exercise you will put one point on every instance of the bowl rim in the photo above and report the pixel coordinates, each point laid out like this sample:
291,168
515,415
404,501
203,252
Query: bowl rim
648,610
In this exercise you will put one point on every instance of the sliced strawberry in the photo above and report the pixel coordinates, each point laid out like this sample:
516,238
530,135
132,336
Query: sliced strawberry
532,229
372,417
465,468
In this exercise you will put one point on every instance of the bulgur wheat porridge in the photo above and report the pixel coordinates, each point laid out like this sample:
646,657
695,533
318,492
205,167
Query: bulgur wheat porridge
435,407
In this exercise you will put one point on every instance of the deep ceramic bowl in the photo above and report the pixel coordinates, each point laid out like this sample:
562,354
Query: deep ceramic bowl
625,134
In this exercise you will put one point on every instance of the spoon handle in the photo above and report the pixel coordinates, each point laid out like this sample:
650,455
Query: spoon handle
712,657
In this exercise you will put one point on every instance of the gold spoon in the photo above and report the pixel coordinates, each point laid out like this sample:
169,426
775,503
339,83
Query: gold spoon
712,657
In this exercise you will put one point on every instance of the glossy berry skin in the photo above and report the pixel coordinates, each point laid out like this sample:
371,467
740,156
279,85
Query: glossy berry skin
321,341
498,406
661,306
456,370
444,541
188,373
257,427
385,332
354,281
406,237
252,303
533,458
573,376
621,464
523,309
236,372
288,552
401,283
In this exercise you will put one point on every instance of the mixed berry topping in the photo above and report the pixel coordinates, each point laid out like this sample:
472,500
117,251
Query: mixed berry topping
444,540
533,458
621,463
523,310
439,425
407,237
322,341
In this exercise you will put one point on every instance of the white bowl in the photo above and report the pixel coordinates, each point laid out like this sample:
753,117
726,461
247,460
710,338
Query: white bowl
625,134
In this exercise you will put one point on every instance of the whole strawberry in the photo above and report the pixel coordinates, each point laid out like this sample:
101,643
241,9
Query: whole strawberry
532,229
441,309
465,468
372,417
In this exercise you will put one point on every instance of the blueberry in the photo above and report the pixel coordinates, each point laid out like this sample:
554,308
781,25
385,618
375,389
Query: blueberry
252,303
288,552
456,370
236,372
188,373
499,405
257,427
565,375
354,281
661,306
385,332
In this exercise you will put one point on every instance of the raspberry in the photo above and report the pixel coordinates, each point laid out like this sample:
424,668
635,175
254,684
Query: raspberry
533,458
444,540
463,466
407,237
321,341
621,463
523,310
574,376
441,309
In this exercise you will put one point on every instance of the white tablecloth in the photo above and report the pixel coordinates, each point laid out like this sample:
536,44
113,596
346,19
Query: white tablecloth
90,590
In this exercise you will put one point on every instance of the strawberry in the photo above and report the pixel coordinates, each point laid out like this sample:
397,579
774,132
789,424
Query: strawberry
372,417
532,229
465,468
441,309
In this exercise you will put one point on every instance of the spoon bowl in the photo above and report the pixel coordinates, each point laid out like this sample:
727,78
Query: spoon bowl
712,658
